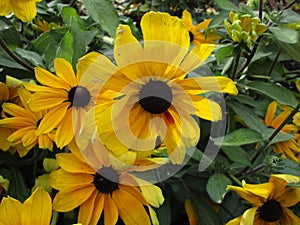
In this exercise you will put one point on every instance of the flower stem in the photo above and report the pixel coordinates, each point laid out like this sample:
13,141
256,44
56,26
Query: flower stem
235,179
260,9
14,57
235,64
54,218
274,63
289,5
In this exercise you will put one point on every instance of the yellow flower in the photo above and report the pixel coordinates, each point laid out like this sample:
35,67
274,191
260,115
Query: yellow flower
25,10
37,209
25,123
65,99
90,179
290,148
191,212
44,26
154,98
4,183
8,93
243,28
197,33
270,203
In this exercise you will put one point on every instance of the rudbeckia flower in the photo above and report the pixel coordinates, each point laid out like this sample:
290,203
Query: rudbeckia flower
270,203
155,99
197,33
91,180
65,99
290,148
25,123
25,10
37,209
8,93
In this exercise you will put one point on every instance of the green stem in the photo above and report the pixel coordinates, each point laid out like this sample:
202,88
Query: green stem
25,162
54,218
274,63
289,5
235,64
14,57
260,9
235,179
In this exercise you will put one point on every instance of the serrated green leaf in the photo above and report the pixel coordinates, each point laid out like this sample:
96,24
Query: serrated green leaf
237,154
226,5
274,91
104,13
285,35
216,187
239,137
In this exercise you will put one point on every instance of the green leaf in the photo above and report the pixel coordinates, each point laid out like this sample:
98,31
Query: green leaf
206,214
68,14
7,61
104,13
34,58
290,16
237,154
65,49
218,20
226,5
274,91
9,33
216,187
287,166
285,35
239,137
248,116
291,49
223,52
164,213
243,8
281,136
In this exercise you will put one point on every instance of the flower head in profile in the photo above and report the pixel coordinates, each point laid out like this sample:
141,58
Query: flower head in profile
25,10
270,202
64,99
37,209
25,124
244,28
8,93
197,32
290,148
155,100
93,181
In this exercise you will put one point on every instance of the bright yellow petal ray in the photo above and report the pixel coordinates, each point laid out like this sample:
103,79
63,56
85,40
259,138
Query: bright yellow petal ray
134,191
4,134
5,7
290,197
191,212
251,198
64,200
37,209
133,213
87,208
29,139
70,163
17,122
110,211
16,110
187,19
270,113
39,88
65,133
248,217
3,89
45,142
261,190
50,80
24,10
65,71
42,100
98,208
289,218
10,210
280,118
236,221
61,179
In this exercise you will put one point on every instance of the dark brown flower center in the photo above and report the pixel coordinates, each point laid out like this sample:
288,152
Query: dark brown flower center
271,211
106,180
191,36
79,96
155,97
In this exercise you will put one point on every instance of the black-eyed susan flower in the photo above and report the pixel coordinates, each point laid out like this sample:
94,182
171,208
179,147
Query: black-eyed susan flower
65,100
89,179
8,93
244,29
37,209
290,148
270,202
25,10
197,32
155,99
25,124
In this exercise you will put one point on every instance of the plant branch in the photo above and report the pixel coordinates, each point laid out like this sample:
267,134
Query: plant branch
14,57
260,9
274,63
289,5
235,64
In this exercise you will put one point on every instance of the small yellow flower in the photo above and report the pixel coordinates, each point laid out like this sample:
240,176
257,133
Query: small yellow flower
25,10
197,33
244,28
37,209
270,202
44,26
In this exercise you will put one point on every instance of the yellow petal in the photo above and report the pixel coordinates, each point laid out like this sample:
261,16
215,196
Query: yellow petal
71,198
133,213
10,210
191,212
50,80
87,208
61,179
248,217
39,88
98,208
24,10
196,57
110,211
5,8
153,216
290,197
42,100
4,134
236,221
37,209
65,133
65,71
280,118
17,122
270,113
15,110
289,218
3,87
69,163
187,19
